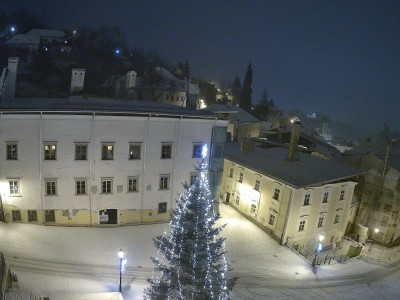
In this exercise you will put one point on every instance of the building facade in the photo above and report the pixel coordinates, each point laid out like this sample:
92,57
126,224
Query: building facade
300,200
99,167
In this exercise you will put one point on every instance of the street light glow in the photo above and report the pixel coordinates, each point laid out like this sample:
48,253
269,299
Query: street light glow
321,238
121,253
376,230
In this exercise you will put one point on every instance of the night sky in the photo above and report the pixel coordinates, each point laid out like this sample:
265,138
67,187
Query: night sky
341,58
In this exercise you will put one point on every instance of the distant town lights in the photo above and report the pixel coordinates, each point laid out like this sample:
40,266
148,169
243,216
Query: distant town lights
12,29
117,51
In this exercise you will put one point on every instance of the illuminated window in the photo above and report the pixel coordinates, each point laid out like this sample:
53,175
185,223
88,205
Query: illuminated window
166,151
164,182
80,152
50,151
271,220
106,186
134,151
341,195
302,225
51,187
336,219
193,178
321,222
107,151
162,207
12,151
80,187
325,198
133,184
231,173
257,185
197,150
277,192
307,199
14,187
240,177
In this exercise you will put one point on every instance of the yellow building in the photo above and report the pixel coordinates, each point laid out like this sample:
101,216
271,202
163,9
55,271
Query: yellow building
300,199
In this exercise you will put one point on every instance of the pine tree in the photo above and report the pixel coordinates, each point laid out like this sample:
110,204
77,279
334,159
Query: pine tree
236,90
191,262
245,99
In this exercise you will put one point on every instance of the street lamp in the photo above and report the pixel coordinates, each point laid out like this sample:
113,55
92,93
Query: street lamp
121,256
321,238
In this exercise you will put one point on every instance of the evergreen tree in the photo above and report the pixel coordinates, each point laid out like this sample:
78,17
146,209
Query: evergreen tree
245,100
192,263
236,90
186,69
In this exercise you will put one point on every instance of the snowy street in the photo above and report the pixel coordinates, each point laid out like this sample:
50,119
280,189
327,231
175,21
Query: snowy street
60,261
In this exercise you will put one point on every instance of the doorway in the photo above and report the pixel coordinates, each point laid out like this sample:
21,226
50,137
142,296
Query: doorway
108,216
228,195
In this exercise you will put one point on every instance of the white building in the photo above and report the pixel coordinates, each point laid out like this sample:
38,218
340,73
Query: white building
91,164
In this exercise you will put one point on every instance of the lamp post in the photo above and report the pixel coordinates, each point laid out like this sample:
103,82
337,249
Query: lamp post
321,238
121,256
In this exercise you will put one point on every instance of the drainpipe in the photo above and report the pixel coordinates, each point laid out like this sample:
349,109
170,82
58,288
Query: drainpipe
40,166
283,238
146,135
90,170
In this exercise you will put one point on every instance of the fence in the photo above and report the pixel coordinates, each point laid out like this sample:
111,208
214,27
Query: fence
314,258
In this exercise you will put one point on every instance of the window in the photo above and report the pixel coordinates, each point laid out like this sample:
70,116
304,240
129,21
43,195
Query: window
231,173
253,209
197,150
107,151
80,151
12,153
32,216
50,151
277,192
80,187
321,222
49,215
257,185
16,216
134,151
166,151
193,178
164,182
132,184
162,207
336,219
325,198
387,208
302,225
307,199
14,187
106,186
240,177
237,200
51,187
271,220
341,195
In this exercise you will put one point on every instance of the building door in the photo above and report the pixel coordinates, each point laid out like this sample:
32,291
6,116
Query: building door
108,216
228,195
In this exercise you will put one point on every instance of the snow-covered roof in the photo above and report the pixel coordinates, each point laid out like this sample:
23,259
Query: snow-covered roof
236,113
23,39
307,171
100,105
47,33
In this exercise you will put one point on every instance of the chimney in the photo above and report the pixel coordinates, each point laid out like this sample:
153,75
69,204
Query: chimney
293,154
77,81
10,79
246,146
130,80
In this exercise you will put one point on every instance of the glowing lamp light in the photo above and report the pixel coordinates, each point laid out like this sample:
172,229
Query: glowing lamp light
117,51
204,151
121,254
321,238
376,230
319,247
12,28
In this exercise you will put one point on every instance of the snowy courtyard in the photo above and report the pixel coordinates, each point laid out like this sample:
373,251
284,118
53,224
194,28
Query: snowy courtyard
60,262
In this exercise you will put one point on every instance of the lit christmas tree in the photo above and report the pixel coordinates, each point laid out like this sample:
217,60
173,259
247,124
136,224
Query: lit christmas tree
191,261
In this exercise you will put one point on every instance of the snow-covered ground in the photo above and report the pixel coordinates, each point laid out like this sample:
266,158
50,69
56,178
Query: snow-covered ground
61,262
